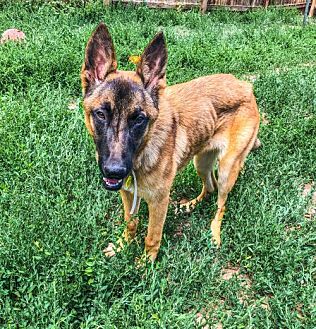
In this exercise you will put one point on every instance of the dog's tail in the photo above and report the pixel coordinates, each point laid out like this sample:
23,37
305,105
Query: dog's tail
256,144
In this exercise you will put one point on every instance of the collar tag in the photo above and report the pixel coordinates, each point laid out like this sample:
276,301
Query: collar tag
128,184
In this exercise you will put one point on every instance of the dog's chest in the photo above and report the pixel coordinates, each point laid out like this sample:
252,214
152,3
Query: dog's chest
144,188
189,142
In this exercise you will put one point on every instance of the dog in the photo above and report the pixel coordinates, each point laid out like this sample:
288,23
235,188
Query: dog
146,131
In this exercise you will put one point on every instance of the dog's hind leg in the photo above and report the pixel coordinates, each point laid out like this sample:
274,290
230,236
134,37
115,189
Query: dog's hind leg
204,164
228,170
231,160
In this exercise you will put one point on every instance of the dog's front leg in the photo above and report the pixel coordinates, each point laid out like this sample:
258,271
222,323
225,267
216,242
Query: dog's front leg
157,216
132,222
131,225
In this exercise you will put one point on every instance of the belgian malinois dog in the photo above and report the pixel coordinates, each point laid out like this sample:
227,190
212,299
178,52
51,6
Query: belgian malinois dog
148,131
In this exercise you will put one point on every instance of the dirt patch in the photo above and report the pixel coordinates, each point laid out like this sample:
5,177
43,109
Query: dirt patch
183,201
178,233
229,272
208,315
204,316
310,213
245,293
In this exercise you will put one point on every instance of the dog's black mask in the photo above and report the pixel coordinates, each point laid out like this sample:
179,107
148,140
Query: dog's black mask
119,127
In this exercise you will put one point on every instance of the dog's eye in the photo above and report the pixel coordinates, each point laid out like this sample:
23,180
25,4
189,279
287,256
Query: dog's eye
140,119
100,115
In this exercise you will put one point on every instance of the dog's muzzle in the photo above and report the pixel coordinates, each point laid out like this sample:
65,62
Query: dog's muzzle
113,175
112,184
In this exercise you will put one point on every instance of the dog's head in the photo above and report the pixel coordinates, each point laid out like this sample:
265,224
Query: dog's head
120,106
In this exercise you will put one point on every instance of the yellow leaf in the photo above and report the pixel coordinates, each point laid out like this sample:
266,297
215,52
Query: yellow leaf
134,59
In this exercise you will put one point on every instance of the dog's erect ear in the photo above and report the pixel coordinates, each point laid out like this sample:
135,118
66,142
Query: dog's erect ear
99,58
152,66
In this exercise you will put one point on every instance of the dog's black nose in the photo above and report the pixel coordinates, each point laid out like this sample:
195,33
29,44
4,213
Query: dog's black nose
114,170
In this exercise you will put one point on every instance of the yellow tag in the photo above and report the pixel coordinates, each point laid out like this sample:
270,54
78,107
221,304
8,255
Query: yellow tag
134,59
128,182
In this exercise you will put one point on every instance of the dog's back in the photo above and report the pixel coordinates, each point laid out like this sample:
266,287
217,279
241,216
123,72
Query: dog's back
224,91
203,108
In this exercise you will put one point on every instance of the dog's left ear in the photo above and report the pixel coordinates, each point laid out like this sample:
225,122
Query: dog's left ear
100,58
152,66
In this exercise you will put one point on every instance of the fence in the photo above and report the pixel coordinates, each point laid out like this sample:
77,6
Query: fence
209,4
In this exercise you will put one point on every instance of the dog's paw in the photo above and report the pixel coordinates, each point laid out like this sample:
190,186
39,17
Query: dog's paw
144,260
217,242
216,233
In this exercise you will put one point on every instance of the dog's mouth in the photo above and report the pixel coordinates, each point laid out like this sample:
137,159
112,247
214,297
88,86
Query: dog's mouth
112,184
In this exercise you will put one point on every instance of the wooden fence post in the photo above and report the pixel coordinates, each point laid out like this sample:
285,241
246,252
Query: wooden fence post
311,12
203,6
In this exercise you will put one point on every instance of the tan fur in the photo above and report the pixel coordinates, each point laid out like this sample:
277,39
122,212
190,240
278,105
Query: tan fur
212,118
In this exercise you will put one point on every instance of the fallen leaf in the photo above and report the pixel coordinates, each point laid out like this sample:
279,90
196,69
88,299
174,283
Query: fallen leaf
311,212
73,105
265,303
293,228
201,318
307,188
251,78
264,120
299,308
183,201
109,251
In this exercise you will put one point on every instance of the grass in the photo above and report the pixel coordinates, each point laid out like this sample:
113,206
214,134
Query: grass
56,219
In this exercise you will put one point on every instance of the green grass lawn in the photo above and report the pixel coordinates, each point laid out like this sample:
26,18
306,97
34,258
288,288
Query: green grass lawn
55,217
